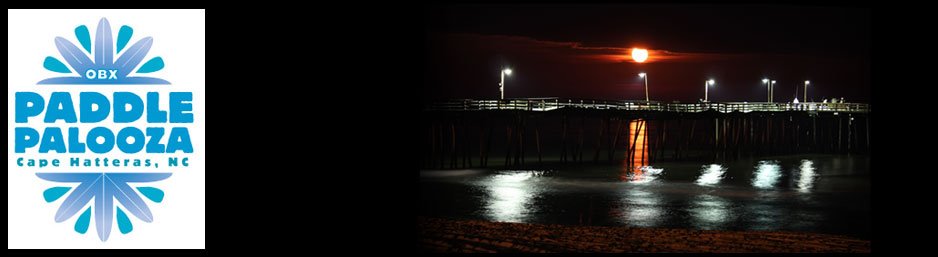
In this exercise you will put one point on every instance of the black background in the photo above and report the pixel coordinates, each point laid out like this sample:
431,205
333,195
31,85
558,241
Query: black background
272,129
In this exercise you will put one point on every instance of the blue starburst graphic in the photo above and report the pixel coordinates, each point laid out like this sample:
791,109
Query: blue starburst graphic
104,188
104,69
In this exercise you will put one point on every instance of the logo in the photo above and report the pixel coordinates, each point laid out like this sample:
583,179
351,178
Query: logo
104,69
103,188
114,192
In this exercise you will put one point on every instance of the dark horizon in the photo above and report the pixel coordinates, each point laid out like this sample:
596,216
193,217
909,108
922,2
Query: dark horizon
582,51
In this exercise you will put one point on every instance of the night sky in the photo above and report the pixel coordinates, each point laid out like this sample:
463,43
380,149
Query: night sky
583,51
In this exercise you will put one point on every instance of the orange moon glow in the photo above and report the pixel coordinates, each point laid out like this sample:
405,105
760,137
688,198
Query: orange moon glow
639,55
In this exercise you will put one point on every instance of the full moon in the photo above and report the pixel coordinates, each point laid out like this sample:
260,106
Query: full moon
639,55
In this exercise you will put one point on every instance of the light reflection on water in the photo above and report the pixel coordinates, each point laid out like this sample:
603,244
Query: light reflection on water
636,168
509,194
736,196
642,175
766,174
741,195
641,208
709,211
638,206
806,176
711,174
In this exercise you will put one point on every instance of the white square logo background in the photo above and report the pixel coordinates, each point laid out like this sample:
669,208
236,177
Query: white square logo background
179,38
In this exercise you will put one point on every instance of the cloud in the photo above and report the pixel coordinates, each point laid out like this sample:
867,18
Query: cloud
577,51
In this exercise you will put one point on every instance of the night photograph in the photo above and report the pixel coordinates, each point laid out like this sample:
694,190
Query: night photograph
635,128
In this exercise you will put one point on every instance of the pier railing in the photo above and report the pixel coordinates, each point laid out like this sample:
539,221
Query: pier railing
549,104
